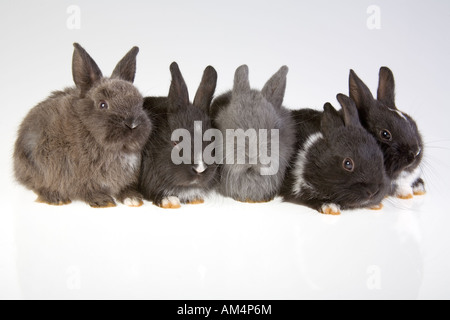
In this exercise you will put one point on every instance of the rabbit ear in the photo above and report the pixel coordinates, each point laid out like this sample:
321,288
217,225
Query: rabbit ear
241,82
126,68
386,87
178,93
84,70
351,116
330,120
359,92
275,88
205,92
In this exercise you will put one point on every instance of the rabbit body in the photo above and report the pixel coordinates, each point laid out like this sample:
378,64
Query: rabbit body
338,165
85,143
167,183
261,111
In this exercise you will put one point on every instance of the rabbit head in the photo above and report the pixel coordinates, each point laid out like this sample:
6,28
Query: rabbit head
395,131
110,108
346,165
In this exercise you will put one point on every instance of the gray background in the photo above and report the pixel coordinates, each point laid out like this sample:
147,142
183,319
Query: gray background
224,249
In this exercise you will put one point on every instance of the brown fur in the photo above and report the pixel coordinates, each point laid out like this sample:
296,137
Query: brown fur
68,148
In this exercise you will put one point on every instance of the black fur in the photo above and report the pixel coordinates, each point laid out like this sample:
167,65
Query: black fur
160,177
326,179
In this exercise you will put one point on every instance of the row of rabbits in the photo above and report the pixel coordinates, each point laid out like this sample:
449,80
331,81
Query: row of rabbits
102,141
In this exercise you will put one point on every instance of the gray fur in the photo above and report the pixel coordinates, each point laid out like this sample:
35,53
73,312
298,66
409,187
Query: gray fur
70,149
245,108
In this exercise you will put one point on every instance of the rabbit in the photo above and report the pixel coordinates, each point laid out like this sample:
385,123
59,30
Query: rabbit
395,131
338,164
167,183
255,112
84,143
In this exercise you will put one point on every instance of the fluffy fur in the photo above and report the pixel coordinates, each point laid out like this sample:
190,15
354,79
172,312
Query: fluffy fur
244,108
84,143
162,181
317,177
403,152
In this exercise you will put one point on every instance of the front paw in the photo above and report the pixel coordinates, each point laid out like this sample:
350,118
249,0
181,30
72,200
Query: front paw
404,192
377,207
130,197
52,198
133,202
419,187
169,203
195,201
330,209
101,201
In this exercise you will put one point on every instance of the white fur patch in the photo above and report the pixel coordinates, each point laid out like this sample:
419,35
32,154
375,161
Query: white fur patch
331,209
171,202
300,163
419,189
404,183
400,114
130,161
132,202
200,167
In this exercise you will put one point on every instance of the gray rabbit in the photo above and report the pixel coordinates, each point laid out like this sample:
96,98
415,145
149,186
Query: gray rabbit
256,113
84,143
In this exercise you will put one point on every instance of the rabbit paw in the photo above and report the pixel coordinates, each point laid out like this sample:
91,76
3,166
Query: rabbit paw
330,209
196,201
170,203
52,198
377,207
101,201
419,188
133,202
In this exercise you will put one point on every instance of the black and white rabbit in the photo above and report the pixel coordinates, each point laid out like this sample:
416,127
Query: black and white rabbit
163,180
338,164
395,131
85,143
247,111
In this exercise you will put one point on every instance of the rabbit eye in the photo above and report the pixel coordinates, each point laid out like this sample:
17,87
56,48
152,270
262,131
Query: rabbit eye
348,165
386,135
103,105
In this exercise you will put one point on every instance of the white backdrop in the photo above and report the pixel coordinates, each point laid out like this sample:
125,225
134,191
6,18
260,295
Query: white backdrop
224,249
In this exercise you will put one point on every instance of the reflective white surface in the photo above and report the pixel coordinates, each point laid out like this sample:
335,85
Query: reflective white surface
224,249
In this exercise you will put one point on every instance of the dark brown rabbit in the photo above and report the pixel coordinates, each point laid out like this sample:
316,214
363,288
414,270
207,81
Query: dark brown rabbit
84,143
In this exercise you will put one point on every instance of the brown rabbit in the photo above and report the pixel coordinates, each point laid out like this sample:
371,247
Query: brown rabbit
84,143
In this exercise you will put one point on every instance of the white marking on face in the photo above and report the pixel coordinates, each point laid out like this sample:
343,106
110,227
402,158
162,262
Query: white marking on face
401,115
300,163
201,167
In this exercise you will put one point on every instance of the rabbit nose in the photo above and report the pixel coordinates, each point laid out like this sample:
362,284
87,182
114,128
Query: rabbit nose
413,154
131,123
372,193
199,168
